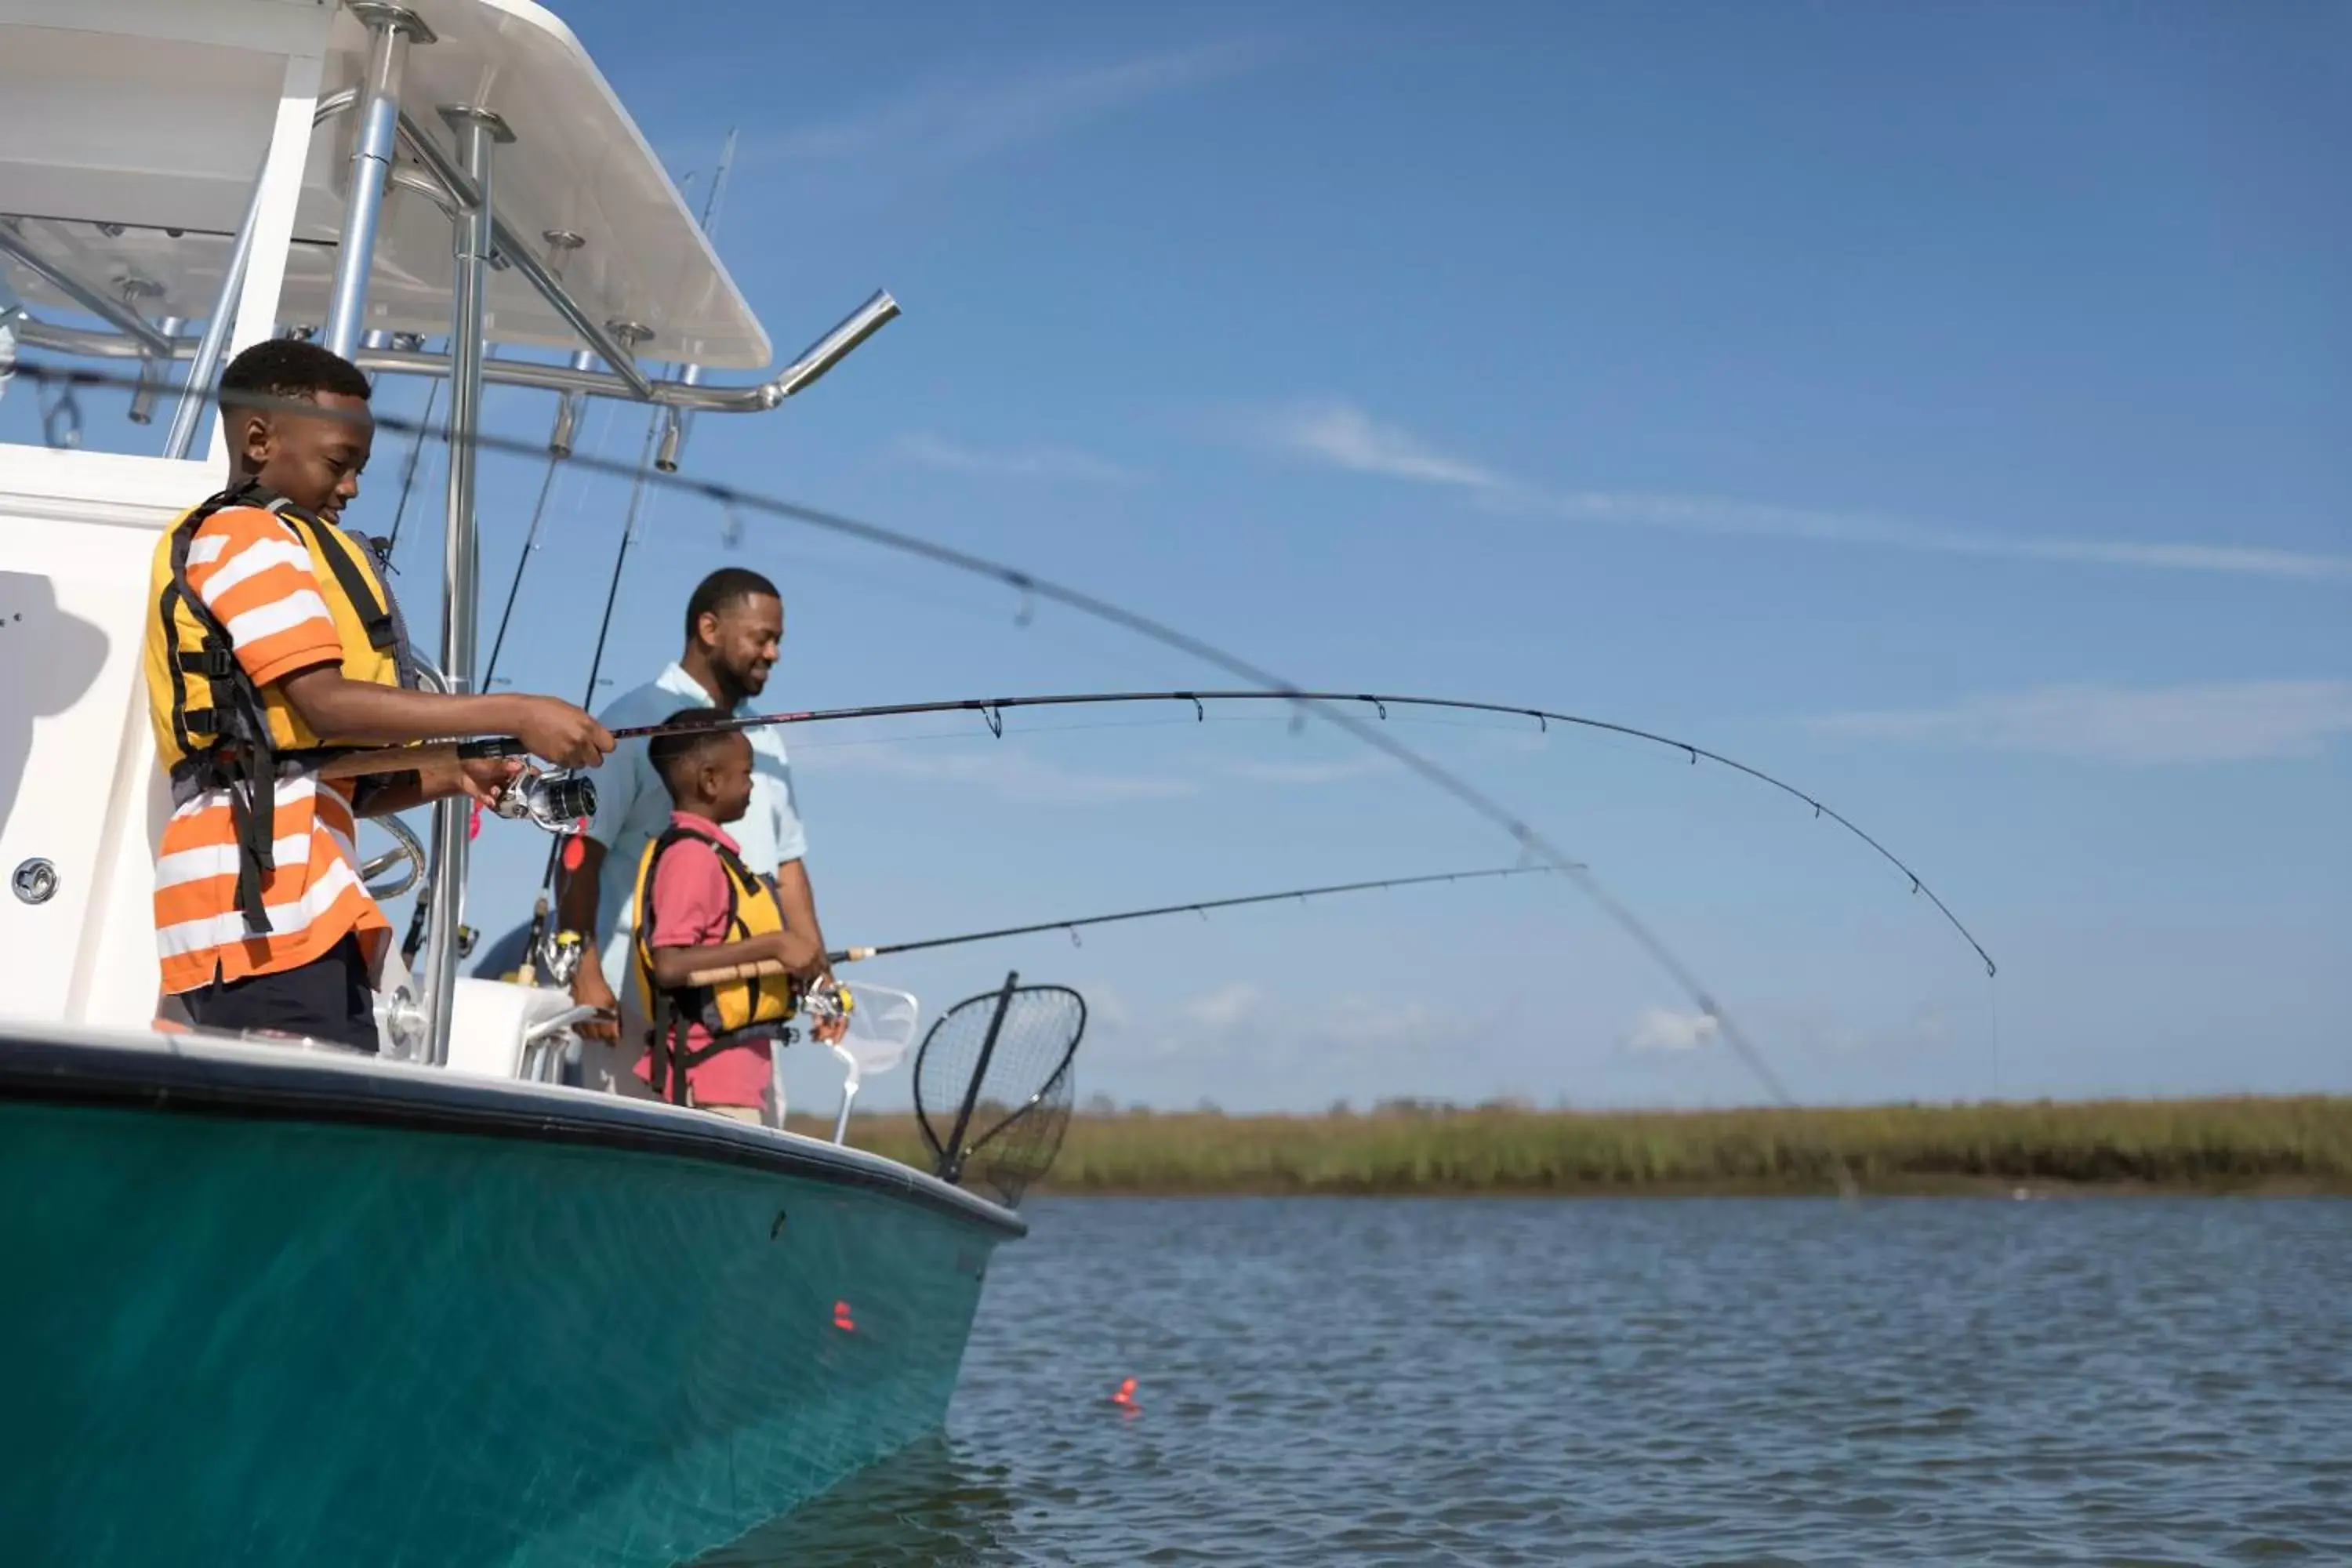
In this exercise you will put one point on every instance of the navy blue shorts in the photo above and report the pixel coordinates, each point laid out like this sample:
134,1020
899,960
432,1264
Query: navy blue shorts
328,999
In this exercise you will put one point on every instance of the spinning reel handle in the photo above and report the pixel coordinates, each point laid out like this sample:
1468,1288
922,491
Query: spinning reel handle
557,799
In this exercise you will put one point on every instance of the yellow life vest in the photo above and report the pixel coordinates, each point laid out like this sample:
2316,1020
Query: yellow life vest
214,727
760,1002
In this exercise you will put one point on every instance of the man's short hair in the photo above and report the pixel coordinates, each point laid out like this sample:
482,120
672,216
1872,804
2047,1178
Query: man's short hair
697,734
289,368
727,587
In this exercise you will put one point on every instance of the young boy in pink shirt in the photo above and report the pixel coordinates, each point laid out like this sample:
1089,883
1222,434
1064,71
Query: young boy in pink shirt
701,909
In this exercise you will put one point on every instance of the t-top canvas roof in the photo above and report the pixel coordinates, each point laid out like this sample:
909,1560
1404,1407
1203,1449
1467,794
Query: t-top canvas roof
132,132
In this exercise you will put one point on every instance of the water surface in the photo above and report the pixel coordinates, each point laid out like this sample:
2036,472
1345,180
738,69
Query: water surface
1645,1382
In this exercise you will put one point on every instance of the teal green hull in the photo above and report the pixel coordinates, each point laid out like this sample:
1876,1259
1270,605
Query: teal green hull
275,1339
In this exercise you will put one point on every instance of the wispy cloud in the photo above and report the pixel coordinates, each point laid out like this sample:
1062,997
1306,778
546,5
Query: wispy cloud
1004,772
2223,721
1020,462
1665,1029
1344,436
1341,435
949,124
1696,514
1226,1006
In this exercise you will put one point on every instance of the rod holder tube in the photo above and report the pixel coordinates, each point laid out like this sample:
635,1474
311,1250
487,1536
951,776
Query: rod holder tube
673,441
151,376
389,29
477,133
562,440
832,348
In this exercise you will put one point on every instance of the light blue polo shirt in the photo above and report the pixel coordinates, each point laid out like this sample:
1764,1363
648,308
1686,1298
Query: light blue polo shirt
632,806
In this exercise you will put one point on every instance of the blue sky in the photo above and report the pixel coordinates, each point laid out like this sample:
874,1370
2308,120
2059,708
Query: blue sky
1944,407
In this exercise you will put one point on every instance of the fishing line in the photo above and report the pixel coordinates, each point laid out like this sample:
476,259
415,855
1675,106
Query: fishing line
1199,907
1202,907
1272,688
604,627
992,709
1992,1015
967,735
514,584
621,556
1615,746
533,540
408,471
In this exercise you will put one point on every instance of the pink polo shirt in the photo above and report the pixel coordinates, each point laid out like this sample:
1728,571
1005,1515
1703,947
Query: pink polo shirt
690,900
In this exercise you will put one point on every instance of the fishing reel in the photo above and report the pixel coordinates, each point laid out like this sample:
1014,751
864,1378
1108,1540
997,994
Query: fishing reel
556,799
817,1004
560,955
826,1000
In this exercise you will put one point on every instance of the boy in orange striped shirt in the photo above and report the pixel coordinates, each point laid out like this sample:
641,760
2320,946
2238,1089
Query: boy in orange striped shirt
262,920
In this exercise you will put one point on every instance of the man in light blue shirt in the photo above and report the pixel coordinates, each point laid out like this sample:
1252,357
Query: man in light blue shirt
734,624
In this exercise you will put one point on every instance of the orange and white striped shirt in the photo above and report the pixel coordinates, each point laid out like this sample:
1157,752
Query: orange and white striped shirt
253,573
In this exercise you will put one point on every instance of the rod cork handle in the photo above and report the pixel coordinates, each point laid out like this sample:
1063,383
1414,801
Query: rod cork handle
403,759
735,972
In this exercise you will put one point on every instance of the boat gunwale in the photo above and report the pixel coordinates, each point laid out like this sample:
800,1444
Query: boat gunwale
193,1074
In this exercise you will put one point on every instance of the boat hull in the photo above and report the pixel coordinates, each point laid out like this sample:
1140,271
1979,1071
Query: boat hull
285,1312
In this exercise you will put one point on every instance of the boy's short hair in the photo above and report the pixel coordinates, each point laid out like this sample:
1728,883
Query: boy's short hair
289,368
722,588
697,733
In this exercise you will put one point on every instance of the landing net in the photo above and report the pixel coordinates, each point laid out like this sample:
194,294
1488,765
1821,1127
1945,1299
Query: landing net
993,1086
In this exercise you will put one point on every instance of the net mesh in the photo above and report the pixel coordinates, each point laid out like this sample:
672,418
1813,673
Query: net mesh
881,1028
1014,1106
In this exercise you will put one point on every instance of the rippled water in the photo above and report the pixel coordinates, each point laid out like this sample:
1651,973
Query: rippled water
1648,1382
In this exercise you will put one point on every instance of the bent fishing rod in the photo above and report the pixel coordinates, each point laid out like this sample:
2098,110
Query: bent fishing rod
1199,907
734,502
994,709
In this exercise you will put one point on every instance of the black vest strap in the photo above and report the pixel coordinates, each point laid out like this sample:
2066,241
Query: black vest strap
670,1058
243,761
690,1002
358,591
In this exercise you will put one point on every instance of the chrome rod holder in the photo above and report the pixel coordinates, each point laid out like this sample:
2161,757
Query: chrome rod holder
390,28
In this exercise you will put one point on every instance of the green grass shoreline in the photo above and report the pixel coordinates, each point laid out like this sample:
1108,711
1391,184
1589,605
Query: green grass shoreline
2246,1145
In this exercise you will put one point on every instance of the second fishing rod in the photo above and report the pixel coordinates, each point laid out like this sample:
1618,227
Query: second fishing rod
555,799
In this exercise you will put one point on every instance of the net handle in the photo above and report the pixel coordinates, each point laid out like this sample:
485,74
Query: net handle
1033,1102
1061,1071
951,1158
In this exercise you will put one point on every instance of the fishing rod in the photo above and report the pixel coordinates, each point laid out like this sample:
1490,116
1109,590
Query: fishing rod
659,454
408,471
556,803
992,709
734,502
1201,908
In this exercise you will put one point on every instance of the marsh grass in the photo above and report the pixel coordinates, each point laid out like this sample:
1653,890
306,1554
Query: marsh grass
2185,1146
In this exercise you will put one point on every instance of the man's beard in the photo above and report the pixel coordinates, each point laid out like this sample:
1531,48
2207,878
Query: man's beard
740,683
